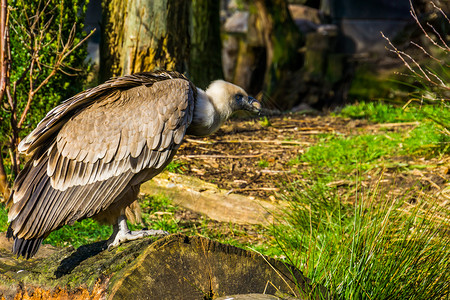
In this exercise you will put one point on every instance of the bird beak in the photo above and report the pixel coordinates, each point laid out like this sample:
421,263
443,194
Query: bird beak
253,106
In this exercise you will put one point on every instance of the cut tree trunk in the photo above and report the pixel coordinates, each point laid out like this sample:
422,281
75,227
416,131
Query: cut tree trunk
174,267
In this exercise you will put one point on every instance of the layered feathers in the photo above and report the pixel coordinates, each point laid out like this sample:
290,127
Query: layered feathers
89,155
94,150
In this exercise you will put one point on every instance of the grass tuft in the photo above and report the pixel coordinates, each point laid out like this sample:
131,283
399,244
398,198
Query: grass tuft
175,167
378,247
81,233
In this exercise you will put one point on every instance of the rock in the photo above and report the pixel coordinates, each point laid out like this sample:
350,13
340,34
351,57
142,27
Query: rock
174,267
306,18
237,22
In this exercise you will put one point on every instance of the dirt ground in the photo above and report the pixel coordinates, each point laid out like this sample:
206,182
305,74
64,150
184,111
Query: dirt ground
252,157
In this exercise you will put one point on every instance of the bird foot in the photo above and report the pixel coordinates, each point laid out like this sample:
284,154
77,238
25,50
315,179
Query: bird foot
123,236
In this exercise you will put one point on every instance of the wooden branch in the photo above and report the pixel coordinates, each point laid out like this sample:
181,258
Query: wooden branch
199,141
275,142
4,183
4,65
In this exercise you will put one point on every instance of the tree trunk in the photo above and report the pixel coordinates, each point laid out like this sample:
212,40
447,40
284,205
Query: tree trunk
175,267
4,86
114,13
156,36
206,45
143,35
282,40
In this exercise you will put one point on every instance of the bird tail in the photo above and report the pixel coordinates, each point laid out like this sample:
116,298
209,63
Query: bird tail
24,247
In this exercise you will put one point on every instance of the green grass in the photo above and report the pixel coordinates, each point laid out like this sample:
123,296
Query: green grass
340,154
84,232
157,214
380,112
360,243
175,167
263,163
264,122
378,247
3,218
336,156
343,154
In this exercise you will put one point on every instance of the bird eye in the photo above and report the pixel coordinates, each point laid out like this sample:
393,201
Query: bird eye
239,97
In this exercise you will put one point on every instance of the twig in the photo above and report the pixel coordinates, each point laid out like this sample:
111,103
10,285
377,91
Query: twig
276,142
67,50
396,124
199,141
400,55
205,156
306,132
414,15
253,189
274,172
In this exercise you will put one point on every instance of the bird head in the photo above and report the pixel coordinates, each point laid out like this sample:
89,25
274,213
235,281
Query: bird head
228,98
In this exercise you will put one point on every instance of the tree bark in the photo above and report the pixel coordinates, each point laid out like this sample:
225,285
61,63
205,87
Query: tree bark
174,267
206,45
114,13
156,36
282,40
143,35
4,86
5,190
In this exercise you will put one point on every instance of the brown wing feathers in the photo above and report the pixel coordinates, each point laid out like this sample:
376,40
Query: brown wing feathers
87,152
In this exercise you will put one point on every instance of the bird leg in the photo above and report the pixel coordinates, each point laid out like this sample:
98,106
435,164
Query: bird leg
121,233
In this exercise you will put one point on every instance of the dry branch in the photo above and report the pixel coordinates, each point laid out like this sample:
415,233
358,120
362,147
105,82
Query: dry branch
32,75
206,156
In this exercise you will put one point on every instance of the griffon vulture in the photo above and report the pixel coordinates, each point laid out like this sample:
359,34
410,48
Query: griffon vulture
90,154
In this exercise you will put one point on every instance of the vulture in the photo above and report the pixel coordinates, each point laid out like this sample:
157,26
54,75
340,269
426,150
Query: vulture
89,155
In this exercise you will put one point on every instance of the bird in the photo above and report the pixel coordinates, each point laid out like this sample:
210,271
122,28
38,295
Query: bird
89,155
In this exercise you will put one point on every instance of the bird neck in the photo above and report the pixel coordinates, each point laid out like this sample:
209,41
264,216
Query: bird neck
209,114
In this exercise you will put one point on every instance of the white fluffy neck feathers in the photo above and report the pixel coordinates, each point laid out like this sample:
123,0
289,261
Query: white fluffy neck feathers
214,106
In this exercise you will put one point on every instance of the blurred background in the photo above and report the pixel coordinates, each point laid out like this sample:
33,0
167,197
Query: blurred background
294,55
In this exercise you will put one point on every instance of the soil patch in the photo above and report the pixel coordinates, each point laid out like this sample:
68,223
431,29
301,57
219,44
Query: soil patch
258,158
255,157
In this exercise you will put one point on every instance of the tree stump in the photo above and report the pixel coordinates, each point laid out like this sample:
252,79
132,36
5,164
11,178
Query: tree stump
174,267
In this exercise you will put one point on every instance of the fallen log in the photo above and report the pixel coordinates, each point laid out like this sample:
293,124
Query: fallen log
174,267
207,198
